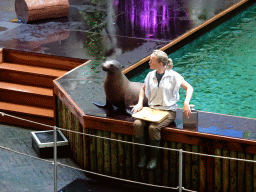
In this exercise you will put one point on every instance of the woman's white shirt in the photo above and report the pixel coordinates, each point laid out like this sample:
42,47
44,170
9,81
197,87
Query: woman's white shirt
166,96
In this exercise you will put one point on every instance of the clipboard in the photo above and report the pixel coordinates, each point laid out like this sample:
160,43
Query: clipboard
152,115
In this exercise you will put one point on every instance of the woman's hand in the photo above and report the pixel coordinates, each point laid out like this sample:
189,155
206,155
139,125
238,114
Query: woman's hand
137,108
189,91
186,110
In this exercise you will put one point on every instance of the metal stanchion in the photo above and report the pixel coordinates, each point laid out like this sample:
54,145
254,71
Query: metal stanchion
180,170
55,159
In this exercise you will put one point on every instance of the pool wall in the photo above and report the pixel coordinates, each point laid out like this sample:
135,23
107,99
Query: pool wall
118,159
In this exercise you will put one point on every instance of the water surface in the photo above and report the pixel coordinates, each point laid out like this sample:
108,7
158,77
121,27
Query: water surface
221,66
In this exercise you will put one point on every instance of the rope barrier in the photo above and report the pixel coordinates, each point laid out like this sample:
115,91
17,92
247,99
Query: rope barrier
20,153
116,140
98,174
128,142
120,179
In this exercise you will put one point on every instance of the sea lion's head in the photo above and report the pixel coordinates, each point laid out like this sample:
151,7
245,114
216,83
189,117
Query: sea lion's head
111,66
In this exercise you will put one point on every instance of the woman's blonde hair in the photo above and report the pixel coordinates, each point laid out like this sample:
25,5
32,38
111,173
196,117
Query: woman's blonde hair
163,57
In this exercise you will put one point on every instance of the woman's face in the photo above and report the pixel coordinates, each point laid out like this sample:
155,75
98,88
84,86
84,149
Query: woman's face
153,63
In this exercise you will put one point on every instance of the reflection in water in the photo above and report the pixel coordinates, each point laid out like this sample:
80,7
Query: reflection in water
32,37
101,41
158,19
93,42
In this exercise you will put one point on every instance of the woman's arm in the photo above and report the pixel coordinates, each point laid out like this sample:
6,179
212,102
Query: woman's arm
139,105
189,92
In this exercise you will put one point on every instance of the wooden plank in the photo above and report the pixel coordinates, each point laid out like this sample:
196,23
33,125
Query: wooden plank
187,167
63,120
107,154
78,140
114,165
145,175
158,172
173,171
135,161
195,169
93,152
13,56
99,148
148,176
217,170
86,147
128,157
202,171
60,118
69,127
233,172
40,71
121,156
254,173
29,110
1,55
241,172
225,170
75,140
248,173
165,164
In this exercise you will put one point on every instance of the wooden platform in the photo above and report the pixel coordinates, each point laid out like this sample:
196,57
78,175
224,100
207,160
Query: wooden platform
119,159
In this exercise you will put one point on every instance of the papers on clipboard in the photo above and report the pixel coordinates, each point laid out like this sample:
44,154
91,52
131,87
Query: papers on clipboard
152,115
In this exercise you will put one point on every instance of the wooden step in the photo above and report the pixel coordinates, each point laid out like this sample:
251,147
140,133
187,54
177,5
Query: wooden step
25,109
29,75
40,115
24,94
40,71
34,59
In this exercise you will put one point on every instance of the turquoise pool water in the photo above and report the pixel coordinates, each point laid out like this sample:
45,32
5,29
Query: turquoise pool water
221,67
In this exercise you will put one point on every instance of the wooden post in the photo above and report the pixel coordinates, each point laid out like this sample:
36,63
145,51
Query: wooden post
226,171
135,160
165,164
114,166
254,173
128,158
187,167
217,170
173,179
248,173
241,170
99,148
31,10
93,152
195,165
202,171
86,148
233,172
107,149
121,156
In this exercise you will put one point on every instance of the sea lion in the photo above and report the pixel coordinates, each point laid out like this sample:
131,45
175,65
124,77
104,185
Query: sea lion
120,92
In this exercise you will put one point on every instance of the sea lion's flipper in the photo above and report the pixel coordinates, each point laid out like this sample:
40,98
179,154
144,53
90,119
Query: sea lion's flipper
107,105
128,111
124,111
